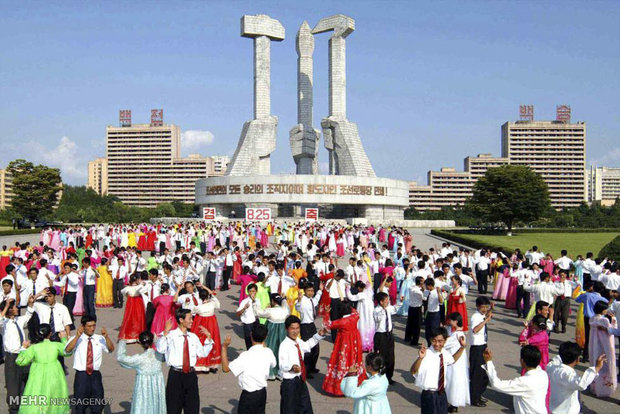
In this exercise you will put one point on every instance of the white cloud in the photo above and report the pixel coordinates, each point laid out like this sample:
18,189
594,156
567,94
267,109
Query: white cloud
324,168
72,161
610,159
194,140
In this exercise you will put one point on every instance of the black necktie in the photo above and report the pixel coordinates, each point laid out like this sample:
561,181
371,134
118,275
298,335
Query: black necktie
34,288
52,320
19,331
387,323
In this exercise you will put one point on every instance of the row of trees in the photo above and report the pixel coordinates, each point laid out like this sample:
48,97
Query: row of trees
513,195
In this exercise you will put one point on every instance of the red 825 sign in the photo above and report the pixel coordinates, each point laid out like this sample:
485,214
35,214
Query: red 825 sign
258,214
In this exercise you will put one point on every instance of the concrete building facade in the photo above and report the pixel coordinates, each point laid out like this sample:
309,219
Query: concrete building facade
603,185
554,149
5,189
98,175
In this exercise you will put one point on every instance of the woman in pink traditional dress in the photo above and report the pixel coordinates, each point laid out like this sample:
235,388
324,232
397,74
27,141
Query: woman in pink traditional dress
264,240
547,264
602,342
347,351
169,243
363,240
503,279
78,308
340,246
408,242
165,305
511,296
55,240
536,334
388,271
381,235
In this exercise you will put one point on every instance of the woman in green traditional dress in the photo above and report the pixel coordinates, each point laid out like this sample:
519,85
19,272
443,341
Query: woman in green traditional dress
46,390
275,315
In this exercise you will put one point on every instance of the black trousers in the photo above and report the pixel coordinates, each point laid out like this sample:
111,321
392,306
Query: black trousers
182,393
69,301
586,321
89,300
587,277
211,280
178,244
310,358
478,379
560,312
525,296
15,378
483,280
384,345
162,247
85,387
431,322
117,286
294,397
226,277
203,248
252,402
433,402
247,333
334,314
414,324
442,312
150,314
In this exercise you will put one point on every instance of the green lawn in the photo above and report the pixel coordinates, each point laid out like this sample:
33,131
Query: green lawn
575,243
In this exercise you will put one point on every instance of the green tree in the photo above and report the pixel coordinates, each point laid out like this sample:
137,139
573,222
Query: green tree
510,194
35,189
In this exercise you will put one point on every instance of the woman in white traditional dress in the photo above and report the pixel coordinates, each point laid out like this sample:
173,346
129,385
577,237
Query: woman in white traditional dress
457,374
365,308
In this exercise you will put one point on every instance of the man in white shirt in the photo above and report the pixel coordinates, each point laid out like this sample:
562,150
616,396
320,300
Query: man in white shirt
478,343
90,276
414,315
279,283
229,261
70,281
564,262
182,349
306,305
120,273
564,382
53,313
383,339
482,271
87,349
562,301
252,370
12,327
524,278
294,395
246,312
534,256
429,370
189,300
529,391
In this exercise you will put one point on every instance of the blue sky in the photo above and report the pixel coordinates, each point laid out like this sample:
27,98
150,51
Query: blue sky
428,83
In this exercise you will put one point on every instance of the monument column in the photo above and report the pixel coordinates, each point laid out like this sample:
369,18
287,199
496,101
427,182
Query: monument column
258,136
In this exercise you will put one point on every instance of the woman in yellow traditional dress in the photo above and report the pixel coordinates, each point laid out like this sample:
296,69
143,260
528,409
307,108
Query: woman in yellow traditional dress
131,238
104,286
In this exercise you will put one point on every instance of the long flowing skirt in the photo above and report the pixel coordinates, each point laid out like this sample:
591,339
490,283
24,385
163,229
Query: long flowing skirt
47,379
134,320
149,394
501,288
214,359
511,296
78,308
347,351
457,374
366,324
455,306
275,336
105,298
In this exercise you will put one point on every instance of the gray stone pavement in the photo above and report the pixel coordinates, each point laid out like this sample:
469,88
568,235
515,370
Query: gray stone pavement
219,392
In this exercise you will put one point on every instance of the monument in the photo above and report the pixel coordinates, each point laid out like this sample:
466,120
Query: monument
351,190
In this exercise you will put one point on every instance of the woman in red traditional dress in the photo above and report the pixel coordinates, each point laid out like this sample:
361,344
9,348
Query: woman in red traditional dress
150,240
141,241
205,316
456,300
325,300
165,305
89,240
347,350
134,320
237,264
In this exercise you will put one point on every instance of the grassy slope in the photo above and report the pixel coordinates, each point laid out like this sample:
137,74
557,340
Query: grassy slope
575,243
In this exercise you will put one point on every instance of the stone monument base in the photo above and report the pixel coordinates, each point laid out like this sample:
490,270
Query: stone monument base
336,196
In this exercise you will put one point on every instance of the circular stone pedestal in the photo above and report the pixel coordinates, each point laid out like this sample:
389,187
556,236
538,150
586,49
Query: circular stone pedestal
337,196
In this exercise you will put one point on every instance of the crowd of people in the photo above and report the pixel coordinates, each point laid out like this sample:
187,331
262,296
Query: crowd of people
349,281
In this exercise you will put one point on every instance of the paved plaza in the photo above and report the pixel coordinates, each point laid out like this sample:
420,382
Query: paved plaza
219,392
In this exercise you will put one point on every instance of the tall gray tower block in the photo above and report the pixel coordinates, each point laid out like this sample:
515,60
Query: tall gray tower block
346,153
304,139
258,136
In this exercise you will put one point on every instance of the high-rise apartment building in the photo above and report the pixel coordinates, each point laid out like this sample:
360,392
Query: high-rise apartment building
603,185
143,164
556,150
5,189
98,175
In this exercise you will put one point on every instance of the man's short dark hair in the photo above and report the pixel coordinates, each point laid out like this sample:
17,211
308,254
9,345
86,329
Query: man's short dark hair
381,296
569,352
88,318
482,300
7,282
541,304
439,331
291,319
531,356
259,333
180,314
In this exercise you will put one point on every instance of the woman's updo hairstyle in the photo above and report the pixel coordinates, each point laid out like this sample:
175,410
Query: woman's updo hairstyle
375,361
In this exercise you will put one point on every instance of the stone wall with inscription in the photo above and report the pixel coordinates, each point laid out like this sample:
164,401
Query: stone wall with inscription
303,189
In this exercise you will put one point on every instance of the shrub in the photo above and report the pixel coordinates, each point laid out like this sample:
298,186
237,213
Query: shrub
611,249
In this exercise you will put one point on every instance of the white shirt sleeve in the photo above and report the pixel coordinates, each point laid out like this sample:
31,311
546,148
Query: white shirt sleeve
516,387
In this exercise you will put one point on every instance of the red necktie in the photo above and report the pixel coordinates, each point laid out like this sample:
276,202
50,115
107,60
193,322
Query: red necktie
89,356
118,273
301,362
186,355
440,384
280,287
152,287
195,301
